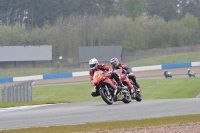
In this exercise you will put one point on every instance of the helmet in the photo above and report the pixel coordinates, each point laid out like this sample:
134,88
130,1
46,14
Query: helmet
93,63
114,62
188,69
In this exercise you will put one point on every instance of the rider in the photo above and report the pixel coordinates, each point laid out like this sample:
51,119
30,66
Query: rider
189,71
94,66
117,65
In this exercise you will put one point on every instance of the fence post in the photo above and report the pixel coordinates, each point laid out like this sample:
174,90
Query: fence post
3,92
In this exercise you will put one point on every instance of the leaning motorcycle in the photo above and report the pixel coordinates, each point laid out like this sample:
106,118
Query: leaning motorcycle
168,75
105,86
191,74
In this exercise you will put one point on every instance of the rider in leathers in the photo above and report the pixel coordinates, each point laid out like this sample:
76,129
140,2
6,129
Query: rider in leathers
94,66
188,72
117,65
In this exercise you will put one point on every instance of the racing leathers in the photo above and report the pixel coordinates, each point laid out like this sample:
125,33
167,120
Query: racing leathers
127,71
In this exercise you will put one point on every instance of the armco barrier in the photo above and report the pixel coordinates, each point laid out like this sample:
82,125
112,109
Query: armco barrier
177,65
86,73
61,75
144,68
35,77
195,64
4,80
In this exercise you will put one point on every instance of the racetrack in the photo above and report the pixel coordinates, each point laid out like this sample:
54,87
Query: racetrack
77,113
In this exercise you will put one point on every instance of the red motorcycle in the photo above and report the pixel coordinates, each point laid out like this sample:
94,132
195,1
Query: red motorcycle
105,85
137,95
127,79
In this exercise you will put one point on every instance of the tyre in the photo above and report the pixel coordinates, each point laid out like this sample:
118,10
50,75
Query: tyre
138,97
127,97
105,96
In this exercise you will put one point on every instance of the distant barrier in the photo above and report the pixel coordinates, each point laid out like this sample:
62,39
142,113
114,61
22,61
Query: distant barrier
21,92
166,66
86,73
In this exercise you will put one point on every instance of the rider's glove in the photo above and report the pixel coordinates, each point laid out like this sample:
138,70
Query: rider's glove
124,71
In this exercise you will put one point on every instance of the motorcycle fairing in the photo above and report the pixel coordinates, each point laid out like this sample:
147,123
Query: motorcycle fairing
99,77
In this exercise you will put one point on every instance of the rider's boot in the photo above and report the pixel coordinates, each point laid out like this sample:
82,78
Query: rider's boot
94,93
137,85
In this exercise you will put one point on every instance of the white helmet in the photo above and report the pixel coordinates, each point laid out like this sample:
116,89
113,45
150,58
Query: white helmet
188,69
93,63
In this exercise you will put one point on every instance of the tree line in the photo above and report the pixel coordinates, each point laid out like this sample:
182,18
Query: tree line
37,13
69,24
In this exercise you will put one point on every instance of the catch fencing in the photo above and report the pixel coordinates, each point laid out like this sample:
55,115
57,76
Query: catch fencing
20,92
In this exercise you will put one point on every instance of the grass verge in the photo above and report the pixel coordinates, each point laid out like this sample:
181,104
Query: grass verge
151,89
102,126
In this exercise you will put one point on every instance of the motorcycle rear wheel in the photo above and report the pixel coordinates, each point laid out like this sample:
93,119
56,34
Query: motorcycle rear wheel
137,96
107,98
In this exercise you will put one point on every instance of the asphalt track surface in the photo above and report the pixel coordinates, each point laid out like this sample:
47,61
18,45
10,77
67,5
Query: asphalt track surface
79,113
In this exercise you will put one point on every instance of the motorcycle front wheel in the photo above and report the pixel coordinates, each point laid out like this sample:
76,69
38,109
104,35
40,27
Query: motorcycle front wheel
105,96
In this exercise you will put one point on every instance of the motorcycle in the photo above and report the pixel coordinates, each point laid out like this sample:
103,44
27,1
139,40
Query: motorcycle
124,77
105,85
168,75
191,74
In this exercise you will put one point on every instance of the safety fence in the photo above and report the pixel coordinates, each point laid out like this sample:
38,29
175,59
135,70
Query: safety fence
20,92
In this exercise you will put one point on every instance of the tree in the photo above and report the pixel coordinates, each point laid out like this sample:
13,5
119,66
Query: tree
133,7
190,21
163,8
189,6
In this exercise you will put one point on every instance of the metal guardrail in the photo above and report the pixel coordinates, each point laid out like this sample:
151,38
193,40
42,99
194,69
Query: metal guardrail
20,92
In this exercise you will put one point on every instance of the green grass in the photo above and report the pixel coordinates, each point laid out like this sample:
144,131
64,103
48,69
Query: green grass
168,59
103,126
151,89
